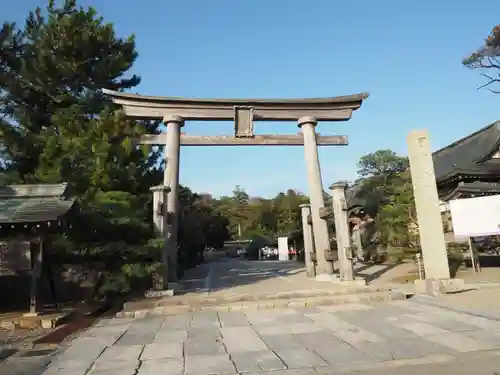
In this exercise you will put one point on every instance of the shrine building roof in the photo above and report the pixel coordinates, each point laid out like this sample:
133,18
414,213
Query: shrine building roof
33,203
474,155
471,189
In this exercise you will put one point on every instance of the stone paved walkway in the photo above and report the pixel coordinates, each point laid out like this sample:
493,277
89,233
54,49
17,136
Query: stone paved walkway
351,338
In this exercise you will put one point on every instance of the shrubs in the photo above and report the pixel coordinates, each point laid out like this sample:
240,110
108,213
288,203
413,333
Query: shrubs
130,278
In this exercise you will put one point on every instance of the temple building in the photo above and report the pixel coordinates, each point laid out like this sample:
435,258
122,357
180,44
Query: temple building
469,167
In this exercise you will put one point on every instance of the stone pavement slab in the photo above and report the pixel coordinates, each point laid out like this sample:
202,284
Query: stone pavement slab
169,349
164,366
25,366
209,364
265,360
203,346
323,340
242,339
165,336
301,358
233,319
101,366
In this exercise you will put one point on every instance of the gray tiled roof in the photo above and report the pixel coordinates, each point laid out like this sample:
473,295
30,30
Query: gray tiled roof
471,188
33,203
467,154
34,190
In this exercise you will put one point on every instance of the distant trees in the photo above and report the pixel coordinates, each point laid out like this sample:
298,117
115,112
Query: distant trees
487,59
254,216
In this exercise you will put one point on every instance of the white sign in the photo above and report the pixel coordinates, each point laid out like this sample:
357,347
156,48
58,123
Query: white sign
283,248
475,217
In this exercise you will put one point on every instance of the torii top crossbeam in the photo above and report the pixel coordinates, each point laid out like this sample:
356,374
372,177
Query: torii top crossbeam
156,107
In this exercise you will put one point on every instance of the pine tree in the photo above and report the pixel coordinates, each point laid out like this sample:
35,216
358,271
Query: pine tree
58,125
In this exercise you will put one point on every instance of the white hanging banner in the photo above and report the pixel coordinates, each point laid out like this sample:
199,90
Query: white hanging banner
476,217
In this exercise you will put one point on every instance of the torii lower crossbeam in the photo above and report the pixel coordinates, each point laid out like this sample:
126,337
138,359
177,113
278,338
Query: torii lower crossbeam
257,140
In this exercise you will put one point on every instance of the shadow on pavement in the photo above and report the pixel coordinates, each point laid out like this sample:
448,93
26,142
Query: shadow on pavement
229,273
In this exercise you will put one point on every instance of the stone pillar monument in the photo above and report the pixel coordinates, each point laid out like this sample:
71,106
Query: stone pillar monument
308,240
171,179
324,267
432,242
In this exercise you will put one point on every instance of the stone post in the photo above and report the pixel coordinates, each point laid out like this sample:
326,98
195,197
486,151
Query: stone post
171,179
308,240
342,231
160,194
36,255
356,234
324,267
430,226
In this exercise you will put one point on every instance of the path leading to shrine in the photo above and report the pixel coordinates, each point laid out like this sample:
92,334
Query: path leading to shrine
396,337
392,338
240,276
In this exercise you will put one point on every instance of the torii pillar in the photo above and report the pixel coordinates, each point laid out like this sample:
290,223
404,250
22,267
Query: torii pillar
324,266
171,179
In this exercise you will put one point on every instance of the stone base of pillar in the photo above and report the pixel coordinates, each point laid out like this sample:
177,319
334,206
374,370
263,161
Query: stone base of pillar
438,287
311,273
336,265
327,277
31,314
159,293
358,281
335,279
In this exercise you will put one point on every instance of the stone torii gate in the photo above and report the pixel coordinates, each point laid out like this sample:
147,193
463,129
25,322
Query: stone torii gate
307,112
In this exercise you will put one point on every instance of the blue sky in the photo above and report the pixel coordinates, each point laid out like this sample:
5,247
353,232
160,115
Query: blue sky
406,54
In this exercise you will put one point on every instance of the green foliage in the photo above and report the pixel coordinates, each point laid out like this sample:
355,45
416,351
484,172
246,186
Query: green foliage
53,70
397,221
487,58
249,218
112,216
57,126
135,277
377,171
381,163
387,190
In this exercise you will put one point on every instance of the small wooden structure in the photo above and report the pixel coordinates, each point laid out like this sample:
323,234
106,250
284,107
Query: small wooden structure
27,214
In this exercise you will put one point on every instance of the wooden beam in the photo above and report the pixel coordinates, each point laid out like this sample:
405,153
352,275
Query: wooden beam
258,140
